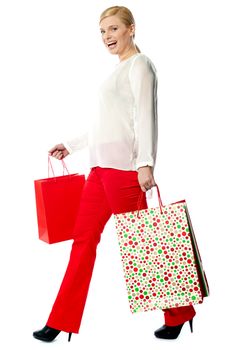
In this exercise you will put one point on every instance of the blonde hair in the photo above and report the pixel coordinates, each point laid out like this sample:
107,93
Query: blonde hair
124,14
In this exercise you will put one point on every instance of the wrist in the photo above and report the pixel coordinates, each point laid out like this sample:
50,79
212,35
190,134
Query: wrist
144,166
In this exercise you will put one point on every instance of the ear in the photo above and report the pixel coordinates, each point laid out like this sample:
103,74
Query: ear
132,29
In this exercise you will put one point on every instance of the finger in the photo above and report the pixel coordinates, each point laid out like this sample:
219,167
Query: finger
59,155
53,149
143,188
56,154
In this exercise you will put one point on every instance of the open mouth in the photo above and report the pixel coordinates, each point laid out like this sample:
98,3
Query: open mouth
112,44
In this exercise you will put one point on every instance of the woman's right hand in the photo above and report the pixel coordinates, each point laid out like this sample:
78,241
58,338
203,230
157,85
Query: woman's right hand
59,151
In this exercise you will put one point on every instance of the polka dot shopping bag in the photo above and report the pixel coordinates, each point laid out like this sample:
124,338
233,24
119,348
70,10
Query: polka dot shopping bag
161,260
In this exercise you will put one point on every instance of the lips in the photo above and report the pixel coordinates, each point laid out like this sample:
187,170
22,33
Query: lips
111,43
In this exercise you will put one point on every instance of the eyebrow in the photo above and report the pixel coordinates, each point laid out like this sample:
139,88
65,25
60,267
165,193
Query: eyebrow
113,25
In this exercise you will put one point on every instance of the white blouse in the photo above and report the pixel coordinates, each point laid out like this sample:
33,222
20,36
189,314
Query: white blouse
124,132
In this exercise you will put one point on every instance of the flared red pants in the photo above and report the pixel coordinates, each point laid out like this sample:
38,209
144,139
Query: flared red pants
106,191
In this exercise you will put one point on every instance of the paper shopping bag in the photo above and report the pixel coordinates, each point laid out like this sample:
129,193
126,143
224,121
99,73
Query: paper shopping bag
159,262
57,204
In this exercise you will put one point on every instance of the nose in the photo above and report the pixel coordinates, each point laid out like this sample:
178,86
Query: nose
106,37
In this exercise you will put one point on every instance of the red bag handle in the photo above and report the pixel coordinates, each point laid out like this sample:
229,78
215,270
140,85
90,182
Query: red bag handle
50,166
159,199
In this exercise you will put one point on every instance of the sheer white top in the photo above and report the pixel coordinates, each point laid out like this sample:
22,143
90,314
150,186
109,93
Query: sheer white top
124,131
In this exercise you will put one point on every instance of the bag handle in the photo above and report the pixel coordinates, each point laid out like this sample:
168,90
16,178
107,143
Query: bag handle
50,166
159,200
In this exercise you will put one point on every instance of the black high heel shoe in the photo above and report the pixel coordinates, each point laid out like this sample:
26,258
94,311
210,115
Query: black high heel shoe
171,332
48,334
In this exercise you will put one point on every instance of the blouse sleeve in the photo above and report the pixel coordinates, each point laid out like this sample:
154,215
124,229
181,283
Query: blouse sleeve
143,80
77,143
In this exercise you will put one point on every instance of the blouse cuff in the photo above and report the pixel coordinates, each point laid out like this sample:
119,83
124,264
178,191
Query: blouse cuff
142,164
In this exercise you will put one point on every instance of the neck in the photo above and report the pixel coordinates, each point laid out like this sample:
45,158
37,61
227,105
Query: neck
128,53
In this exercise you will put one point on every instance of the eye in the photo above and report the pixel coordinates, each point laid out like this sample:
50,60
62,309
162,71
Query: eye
114,28
102,31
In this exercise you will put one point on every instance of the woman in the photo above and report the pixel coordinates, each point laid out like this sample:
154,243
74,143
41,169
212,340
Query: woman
122,146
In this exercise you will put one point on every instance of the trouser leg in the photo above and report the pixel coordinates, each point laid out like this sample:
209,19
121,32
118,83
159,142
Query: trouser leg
178,315
93,214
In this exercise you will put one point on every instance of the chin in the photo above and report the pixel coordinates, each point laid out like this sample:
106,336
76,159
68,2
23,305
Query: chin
113,53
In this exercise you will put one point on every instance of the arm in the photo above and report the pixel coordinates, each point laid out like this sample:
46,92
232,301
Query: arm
143,82
77,143
62,150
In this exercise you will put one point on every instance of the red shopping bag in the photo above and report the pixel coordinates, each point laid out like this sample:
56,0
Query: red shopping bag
57,204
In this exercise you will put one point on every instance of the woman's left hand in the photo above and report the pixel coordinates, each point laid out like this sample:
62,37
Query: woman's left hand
145,178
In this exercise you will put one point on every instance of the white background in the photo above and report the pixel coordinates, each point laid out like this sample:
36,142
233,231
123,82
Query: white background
52,59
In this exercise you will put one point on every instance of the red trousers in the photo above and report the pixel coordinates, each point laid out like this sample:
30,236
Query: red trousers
106,191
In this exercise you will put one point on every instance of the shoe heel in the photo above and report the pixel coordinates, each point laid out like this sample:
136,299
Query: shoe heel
69,337
191,325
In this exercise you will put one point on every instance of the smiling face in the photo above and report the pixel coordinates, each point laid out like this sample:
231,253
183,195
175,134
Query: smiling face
117,37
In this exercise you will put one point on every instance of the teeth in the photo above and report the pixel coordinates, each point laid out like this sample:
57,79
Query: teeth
113,42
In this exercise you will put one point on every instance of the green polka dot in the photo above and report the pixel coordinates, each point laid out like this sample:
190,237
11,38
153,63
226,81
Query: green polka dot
193,297
159,251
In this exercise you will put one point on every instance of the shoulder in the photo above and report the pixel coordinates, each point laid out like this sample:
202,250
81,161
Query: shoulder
143,63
